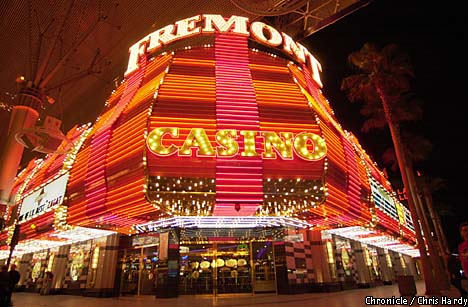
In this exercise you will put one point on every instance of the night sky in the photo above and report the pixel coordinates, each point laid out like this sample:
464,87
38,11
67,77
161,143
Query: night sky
432,34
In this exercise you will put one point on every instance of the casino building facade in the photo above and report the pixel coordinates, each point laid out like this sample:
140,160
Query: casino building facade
217,166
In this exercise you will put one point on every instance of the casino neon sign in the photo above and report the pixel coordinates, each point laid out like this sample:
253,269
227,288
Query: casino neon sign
209,24
231,143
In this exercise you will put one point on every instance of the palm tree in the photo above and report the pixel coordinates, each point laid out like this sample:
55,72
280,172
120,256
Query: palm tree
417,149
383,85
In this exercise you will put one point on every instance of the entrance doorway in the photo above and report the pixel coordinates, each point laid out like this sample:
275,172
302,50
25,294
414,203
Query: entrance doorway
263,267
227,267
139,271
210,261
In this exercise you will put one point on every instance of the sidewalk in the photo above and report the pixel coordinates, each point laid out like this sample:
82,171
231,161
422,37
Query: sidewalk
349,298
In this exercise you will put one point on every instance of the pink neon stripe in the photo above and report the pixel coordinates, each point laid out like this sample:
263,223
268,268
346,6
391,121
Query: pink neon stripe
239,179
236,108
353,187
95,181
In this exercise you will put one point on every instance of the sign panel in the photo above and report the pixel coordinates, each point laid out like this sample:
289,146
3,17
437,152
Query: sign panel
209,24
305,145
145,240
46,197
383,200
296,238
163,245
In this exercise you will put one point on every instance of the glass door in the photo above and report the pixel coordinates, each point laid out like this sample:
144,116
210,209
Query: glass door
196,271
264,267
131,271
149,270
233,271
215,268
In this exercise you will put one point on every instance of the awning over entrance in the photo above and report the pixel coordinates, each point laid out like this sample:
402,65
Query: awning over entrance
376,238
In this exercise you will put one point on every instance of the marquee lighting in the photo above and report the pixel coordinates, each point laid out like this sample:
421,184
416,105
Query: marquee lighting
71,156
79,234
196,196
57,239
307,145
38,164
222,222
388,259
31,246
375,238
182,195
330,252
60,218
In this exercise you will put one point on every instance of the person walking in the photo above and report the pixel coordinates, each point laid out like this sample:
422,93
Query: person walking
453,268
4,286
463,247
14,279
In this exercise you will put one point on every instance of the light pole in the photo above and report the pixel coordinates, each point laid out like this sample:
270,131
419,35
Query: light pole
13,242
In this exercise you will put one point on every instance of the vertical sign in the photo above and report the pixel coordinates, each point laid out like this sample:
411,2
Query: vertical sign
163,245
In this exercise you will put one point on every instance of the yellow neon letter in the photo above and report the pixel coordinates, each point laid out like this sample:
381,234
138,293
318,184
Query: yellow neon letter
227,140
283,148
249,144
197,138
301,148
154,141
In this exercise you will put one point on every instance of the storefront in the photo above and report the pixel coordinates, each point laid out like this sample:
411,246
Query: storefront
211,261
214,168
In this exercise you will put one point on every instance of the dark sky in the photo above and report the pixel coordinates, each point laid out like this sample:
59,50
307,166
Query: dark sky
432,34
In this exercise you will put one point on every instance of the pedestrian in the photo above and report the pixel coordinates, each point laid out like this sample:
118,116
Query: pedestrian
453,268
463,248
14,279
4,286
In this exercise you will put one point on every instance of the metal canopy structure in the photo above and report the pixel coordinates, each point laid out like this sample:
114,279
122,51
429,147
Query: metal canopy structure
300,18
77,50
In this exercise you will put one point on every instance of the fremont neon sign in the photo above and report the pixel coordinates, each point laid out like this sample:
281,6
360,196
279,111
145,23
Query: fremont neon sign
231,143
208,24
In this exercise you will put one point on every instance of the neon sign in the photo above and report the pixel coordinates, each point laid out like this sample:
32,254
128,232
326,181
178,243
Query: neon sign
305,145
208,24
49,196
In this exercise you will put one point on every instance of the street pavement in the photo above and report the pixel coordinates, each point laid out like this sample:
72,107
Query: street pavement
348,298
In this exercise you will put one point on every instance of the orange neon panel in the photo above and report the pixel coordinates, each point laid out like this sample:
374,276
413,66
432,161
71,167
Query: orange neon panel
117,182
